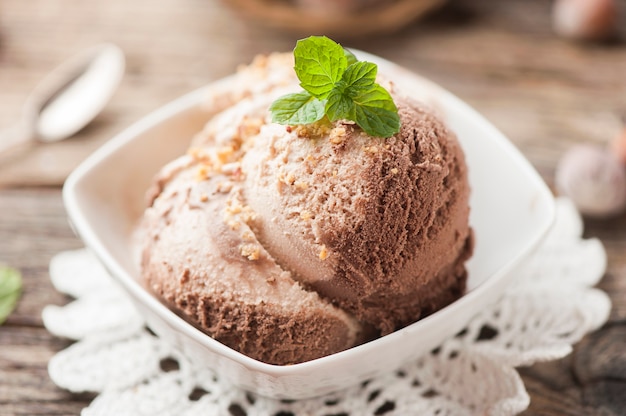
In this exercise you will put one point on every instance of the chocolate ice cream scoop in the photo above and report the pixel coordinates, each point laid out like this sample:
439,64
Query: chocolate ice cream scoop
377,226
290,243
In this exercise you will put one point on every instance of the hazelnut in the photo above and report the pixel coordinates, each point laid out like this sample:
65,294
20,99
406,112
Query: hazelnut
594,179
584,19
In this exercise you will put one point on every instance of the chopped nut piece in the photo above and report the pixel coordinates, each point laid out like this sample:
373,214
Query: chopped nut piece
231,168
248,215
311,161
204,197
199,154
287,178
312,131
306,215
302,185
323,253
338,135
250,251
203,173
394,171
302,131
247,236
224,153
234,208
224,187
233,225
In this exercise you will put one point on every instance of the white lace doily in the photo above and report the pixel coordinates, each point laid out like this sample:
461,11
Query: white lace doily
135,373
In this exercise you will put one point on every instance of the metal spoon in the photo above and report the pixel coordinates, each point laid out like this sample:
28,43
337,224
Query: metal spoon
68,98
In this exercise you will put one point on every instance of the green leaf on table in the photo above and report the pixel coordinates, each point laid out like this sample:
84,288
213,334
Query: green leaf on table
10,290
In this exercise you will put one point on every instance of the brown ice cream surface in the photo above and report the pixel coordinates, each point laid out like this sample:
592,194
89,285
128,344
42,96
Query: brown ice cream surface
215,274
290,243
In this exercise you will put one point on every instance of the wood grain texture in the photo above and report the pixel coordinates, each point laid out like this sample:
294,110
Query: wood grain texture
543,92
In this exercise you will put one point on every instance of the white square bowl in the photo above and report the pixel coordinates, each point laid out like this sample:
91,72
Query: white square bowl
511,210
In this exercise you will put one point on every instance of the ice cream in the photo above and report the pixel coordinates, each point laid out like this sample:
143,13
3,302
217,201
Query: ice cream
291,243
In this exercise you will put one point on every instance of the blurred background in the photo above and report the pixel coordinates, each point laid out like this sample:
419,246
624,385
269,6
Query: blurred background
549,73
543,90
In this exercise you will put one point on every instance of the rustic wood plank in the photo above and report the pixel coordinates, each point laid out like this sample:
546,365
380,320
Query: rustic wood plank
33,228
26,387
601,356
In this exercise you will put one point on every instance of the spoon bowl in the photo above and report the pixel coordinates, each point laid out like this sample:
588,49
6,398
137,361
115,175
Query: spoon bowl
68,98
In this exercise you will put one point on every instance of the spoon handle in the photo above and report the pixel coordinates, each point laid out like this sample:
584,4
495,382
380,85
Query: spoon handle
13,138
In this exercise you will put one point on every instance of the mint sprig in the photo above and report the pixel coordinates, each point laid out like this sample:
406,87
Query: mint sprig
338,86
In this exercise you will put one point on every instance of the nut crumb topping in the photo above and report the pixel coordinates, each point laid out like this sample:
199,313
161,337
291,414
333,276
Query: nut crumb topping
236,213
323,253
233,207
338,135
286,178
311,161
224,153
224,187
203,173
301,185
199,155
312,131
233,225
250,251
247,236
230,168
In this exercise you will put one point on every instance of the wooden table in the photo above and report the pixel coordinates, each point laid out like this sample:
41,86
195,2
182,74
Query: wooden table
543,92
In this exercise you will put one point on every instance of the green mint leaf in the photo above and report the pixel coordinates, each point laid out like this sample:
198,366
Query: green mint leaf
337,85
376,112
10,289
357,77
340,105
360,75
298,108
357,97
319,64
350,58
